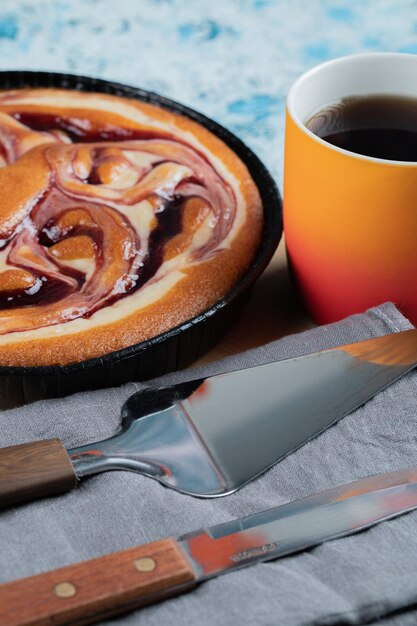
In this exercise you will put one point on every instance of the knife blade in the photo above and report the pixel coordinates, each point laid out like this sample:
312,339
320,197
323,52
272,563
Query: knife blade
210,437
91,591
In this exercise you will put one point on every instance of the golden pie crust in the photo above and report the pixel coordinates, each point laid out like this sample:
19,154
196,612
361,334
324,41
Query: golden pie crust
119,220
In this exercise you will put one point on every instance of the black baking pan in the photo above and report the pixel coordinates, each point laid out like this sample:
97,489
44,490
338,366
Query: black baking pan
180,346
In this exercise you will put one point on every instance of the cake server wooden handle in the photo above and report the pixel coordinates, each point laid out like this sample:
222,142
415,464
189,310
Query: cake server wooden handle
33,470
95,590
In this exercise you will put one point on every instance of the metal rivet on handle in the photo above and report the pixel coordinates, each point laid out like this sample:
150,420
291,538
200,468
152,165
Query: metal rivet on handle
65,590
145,564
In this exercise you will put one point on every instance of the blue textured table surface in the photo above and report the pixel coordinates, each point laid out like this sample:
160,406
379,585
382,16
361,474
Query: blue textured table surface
234,60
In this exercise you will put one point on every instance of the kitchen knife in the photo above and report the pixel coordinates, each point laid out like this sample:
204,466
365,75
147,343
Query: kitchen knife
94,590
209,437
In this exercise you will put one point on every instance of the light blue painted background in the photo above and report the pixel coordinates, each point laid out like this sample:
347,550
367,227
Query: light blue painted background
231,59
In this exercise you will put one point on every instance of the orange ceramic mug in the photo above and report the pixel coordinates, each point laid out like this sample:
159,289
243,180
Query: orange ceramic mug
350,220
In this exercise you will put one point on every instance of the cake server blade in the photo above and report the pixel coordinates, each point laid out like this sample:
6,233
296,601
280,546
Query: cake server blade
110,585
210,437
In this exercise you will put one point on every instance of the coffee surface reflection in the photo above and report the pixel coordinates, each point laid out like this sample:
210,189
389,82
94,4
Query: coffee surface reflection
381,126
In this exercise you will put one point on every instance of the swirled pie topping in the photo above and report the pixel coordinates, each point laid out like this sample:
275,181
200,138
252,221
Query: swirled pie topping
118,221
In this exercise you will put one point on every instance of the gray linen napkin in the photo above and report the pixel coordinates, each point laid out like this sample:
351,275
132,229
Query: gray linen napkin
353,580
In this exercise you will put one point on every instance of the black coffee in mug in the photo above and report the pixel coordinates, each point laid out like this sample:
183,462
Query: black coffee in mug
382,126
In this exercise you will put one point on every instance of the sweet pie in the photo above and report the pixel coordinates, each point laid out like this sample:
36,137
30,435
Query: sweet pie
118,221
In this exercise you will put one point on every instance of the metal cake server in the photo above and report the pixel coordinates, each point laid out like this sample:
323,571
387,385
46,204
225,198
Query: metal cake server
117,583
210,437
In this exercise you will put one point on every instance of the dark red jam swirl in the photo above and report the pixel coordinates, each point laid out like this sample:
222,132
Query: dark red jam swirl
117,198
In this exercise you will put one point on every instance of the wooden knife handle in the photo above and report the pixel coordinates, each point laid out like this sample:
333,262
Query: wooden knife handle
33,470
95,590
